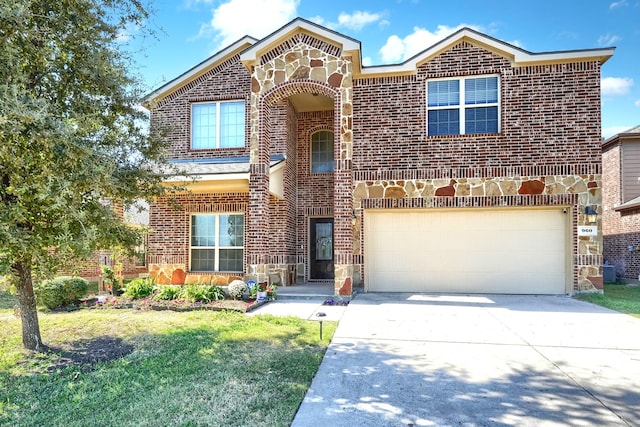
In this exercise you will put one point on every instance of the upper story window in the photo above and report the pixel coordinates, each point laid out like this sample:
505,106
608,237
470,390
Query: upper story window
463,106
322,152
217,125
217,242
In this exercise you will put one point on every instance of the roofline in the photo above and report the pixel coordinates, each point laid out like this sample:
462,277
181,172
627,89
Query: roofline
348,44
518,56
627,207
250,49
199,69
620,138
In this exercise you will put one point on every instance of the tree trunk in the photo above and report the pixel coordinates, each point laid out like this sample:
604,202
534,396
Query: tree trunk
28,312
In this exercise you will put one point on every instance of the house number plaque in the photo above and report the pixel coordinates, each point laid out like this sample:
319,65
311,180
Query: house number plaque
587,230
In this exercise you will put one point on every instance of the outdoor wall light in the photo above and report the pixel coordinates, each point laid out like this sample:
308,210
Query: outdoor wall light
591,214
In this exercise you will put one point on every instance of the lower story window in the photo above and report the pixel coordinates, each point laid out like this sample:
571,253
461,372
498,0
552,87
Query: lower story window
217,242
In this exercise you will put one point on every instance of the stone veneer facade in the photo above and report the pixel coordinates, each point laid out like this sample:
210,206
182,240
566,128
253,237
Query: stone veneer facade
546,155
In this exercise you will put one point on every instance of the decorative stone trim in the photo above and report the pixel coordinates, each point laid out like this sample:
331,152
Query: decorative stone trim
573,191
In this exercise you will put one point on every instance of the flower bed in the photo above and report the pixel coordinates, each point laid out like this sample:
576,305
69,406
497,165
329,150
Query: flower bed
111,302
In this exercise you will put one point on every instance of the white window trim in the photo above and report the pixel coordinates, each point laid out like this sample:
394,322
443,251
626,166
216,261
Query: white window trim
218,127
217,246
462,106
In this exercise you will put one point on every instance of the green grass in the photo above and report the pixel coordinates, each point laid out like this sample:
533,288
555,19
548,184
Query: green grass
195,368
622,298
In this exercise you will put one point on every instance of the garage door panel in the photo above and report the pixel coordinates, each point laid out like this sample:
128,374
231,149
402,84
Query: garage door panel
483,251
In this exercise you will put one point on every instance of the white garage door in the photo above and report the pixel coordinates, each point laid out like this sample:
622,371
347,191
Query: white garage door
466,250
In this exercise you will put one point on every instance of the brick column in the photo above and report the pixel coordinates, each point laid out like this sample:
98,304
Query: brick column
342,229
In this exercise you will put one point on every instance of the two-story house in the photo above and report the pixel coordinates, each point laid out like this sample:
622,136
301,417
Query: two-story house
470,167
621,203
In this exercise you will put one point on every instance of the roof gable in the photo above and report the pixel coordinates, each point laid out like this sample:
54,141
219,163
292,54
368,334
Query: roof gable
252,52
270,46
517,56
199,70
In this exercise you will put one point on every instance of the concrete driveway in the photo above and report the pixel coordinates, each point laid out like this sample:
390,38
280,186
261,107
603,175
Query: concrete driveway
453,360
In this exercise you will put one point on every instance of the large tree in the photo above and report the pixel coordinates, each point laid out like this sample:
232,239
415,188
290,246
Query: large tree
72,138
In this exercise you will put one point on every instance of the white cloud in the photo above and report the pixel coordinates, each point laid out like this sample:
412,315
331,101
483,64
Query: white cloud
234,19
398,49
617,4
613,86
357,20
125,33
366,61
607,40
637,103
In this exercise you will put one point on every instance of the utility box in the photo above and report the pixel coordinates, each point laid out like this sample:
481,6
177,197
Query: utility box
609,274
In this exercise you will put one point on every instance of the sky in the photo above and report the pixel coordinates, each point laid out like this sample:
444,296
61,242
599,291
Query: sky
190,31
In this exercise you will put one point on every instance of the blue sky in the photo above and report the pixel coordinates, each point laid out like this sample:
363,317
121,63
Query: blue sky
391,31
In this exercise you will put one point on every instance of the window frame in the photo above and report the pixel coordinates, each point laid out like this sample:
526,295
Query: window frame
462,106
333,154
218,135
216,247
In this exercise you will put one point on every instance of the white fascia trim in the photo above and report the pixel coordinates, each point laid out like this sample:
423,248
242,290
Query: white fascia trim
518,56
348,44
201,68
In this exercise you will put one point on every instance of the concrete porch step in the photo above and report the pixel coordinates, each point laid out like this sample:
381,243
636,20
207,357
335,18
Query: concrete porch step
306,291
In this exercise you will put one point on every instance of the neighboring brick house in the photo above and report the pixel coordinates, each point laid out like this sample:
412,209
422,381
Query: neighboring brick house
467,168
131,267
621,203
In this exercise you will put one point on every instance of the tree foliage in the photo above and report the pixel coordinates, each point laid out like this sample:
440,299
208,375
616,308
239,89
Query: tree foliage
72,137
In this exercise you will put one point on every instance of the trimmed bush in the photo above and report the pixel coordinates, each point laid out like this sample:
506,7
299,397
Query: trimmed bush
236,289
139,288
60,291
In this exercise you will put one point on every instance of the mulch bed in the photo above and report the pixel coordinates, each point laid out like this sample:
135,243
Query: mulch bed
111,302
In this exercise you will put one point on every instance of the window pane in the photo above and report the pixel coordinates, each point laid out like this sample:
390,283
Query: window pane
444,122
203,126
443,93
203,230
203,259
231,260
481,90
232,124
481,120
231,230
322,152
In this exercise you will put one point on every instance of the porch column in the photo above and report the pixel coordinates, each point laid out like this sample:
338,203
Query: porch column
257,222
343,231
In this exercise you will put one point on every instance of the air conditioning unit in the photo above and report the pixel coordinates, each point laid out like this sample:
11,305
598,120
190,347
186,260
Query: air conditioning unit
609,274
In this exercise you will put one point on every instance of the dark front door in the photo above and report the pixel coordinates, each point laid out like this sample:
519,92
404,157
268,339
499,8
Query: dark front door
321,245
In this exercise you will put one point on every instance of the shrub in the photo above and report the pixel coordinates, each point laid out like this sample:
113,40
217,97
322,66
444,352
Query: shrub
167,292
236,289
60,291
194,293
139,288
215,293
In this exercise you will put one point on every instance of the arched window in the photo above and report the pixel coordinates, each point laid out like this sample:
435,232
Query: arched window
322,152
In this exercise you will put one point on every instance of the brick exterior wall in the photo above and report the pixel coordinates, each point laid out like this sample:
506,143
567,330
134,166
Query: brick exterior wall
230,81
621,229
546,154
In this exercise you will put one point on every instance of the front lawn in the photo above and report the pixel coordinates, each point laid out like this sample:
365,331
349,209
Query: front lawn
622,298
157,368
